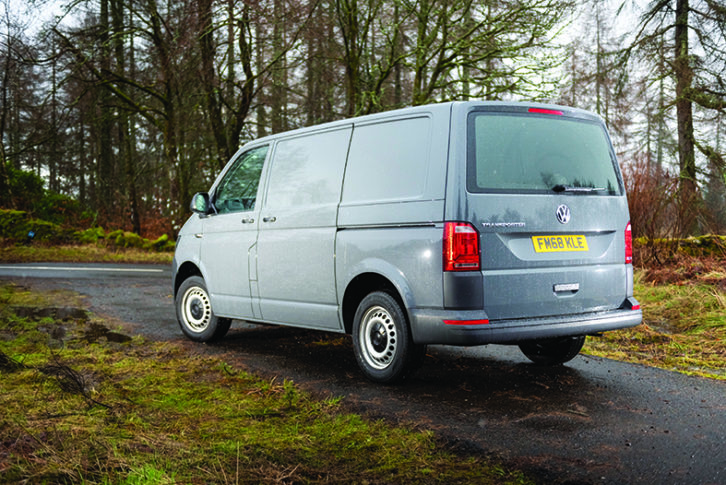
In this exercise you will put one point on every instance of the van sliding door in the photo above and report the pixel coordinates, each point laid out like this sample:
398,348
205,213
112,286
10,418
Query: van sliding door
296,239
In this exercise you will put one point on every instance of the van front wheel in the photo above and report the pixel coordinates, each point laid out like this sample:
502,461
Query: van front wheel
382,341
553,351
194,312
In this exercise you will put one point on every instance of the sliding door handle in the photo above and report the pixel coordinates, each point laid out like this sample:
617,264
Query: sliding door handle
269,219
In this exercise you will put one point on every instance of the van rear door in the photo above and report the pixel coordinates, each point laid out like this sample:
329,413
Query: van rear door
544,191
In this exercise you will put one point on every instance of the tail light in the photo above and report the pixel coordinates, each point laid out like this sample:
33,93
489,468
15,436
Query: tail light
461,247
628,244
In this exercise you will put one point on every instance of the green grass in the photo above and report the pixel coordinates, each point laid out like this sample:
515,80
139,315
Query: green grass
683,329
89,253
154,413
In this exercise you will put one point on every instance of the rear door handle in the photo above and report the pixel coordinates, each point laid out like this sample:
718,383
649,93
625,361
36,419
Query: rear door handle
248,220
269,219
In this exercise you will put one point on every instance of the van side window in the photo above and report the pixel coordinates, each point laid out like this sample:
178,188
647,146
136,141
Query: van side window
238,190
308,170
388,161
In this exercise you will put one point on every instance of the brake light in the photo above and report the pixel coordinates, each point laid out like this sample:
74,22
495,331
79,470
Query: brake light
628,244
543,111
461,247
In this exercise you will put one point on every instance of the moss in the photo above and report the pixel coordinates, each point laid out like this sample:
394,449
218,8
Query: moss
128,240
90,236
161,244
706,245
10,220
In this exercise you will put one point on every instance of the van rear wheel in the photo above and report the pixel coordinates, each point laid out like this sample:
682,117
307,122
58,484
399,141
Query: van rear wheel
194,312
382,341
553,351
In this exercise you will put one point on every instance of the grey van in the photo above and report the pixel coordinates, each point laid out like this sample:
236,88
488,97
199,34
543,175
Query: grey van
463,223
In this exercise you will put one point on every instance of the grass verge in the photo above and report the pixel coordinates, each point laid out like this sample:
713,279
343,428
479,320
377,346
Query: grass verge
683,329
84,406
89,253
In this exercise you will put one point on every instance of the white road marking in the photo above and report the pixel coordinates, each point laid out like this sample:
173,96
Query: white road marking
70,268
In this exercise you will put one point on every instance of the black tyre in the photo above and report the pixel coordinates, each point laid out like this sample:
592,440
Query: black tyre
553,351
382,340
194,312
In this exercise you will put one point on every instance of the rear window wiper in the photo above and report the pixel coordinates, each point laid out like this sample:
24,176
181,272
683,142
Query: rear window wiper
567,188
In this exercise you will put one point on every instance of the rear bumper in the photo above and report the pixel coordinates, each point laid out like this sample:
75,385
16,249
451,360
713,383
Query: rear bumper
428,327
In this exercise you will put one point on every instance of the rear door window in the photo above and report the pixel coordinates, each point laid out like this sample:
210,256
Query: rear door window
537,154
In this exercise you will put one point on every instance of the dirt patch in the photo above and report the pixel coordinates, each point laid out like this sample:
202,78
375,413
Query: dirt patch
96,332
91,333
56,313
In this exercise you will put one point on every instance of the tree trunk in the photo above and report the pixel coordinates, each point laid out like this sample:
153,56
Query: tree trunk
127,143
5,195
105,153
278,101
687,196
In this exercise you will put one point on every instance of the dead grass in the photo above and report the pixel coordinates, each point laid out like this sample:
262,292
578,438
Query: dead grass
684,322
89,253
683,269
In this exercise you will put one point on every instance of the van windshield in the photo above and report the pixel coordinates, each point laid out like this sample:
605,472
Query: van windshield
534,153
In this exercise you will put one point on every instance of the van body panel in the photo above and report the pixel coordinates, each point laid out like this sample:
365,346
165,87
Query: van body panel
396,166
224,262
508,222
286,256
388,161
514,271
533,292
297,229
189,242
409,257
391,214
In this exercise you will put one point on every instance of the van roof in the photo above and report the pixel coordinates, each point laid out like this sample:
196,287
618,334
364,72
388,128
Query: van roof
460,106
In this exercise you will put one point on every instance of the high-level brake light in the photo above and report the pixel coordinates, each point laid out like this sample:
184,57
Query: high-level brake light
544,111
461,247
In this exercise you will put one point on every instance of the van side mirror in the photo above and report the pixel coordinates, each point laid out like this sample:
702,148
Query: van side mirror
200,203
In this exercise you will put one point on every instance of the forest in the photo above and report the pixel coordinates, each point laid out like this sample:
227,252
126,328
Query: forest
129,107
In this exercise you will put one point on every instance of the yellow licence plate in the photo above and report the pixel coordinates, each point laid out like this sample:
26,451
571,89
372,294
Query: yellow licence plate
552,244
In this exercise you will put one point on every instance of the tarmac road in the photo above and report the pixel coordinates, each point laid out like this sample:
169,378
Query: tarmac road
591,421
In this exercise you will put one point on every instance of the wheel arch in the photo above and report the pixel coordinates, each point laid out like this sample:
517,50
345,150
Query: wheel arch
362,285
186,270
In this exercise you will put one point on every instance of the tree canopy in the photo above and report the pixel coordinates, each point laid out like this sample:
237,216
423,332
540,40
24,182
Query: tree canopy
131,106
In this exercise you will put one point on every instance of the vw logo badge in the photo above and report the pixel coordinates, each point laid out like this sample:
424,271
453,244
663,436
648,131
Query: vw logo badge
563,214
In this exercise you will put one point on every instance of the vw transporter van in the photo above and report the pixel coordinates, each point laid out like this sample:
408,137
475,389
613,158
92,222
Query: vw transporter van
463,223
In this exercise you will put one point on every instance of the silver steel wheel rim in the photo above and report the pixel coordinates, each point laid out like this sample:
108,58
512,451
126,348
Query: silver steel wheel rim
378,337
197,309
